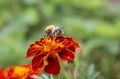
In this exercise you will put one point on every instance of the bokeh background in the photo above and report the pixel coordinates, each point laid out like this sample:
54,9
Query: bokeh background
95,24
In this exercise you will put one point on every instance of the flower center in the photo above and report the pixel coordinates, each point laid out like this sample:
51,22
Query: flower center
20,71
52,46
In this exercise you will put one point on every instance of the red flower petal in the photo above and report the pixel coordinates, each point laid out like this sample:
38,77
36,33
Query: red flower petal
53,66
59,39
38,43
33,49
68,43
37,62
29,53
73,41
58,49
66,55
10,71
72,48
29,77
3,74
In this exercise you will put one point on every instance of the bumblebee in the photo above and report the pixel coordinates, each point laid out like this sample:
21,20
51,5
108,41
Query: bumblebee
53,31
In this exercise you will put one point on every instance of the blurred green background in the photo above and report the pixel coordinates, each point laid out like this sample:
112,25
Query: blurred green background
95,24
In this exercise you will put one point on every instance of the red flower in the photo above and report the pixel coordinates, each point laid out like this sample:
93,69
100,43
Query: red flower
47,52
21,72
3,74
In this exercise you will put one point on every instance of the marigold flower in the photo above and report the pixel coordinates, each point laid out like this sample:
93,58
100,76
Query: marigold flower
47,52
21,72
3,74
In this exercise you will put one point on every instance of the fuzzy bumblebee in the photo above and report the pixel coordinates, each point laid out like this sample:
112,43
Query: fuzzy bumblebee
53,31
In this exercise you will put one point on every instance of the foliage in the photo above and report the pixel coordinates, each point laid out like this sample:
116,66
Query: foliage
94,24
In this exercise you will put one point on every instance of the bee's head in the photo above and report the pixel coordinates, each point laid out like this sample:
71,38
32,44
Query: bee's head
48,30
